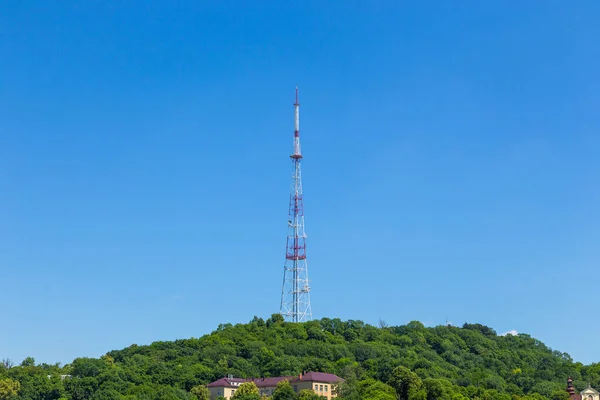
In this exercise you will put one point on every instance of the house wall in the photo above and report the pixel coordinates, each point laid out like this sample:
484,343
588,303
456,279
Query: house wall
267,390
320,388
221,391
215,392
590,395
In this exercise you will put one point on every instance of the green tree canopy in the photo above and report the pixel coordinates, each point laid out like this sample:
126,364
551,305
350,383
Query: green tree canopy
306,394
371,389
413,361
284,391
246,391
9,388
200,392
407,384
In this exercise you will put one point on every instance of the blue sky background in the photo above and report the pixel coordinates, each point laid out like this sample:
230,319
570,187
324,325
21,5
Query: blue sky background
451,167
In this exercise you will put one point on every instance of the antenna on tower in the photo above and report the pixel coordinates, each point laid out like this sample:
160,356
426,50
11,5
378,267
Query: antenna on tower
295,291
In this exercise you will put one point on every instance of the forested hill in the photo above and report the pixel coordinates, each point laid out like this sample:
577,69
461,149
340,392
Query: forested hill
409,361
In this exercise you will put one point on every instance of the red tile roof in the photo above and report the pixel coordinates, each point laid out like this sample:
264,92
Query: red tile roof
260,382
319,377
273,381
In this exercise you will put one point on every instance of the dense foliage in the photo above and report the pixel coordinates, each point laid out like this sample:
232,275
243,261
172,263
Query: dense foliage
396,362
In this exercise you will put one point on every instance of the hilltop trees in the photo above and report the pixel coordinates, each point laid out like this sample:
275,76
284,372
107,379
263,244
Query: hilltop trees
408,362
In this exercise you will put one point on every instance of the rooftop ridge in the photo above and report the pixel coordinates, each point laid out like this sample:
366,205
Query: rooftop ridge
229,381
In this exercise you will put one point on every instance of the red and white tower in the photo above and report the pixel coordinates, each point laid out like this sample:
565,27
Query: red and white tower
295,292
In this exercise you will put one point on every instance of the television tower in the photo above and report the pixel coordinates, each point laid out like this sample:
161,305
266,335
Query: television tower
295,296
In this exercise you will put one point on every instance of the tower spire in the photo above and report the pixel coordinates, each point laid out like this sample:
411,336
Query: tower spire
295,291
297,152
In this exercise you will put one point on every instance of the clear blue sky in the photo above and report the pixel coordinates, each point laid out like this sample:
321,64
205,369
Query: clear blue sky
451,167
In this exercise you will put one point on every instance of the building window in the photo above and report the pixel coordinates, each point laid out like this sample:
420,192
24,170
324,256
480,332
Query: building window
325,387
295,388
320,388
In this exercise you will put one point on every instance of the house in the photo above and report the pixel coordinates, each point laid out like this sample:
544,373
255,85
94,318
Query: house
226,387
586,394
320,382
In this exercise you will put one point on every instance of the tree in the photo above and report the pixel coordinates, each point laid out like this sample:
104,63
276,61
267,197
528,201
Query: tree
371,389
438,389
284,391
108,360
275,319
485,330
546,389
201,392
9,388
348,388
86,366
307,394
81,388
106,394
246,391
28,362
559,395
533,396
407,384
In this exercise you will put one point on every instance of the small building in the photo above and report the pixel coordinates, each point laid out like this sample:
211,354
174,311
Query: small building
319,382
588,393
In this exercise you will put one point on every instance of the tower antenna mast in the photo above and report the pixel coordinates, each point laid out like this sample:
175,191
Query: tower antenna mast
295,291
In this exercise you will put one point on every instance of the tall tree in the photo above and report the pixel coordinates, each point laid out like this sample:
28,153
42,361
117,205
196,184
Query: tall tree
201,392
28,362
407,384
284,391
307,394
246,391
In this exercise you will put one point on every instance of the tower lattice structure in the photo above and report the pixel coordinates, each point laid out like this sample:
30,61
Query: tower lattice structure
295,292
